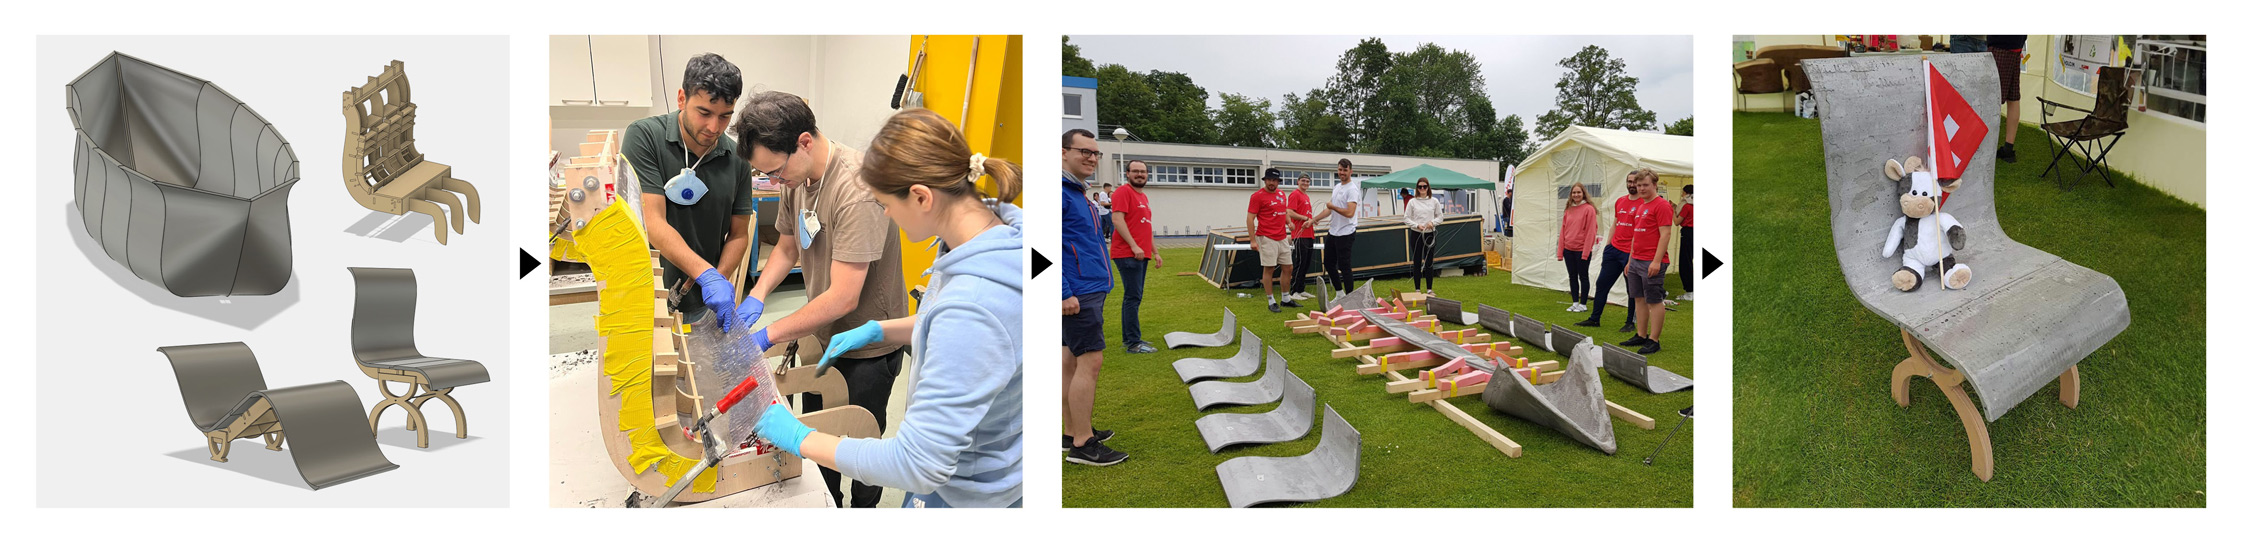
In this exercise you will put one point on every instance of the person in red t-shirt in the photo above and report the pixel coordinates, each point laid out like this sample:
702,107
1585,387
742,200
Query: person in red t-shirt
1614,255
1132,249
1646,268
1688,222
1270,219
1303,237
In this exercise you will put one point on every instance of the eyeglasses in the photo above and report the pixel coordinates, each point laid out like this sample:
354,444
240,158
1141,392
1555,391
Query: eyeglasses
774,174
1093,153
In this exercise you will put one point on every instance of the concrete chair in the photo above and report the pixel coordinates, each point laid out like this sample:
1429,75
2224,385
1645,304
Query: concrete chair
381,339
2027,318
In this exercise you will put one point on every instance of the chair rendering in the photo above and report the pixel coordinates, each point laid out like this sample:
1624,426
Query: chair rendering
2092,136
381,168
227,400
178,181
2026,319
381,340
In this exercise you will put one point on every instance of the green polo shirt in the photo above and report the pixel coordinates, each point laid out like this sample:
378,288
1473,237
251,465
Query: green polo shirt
657,152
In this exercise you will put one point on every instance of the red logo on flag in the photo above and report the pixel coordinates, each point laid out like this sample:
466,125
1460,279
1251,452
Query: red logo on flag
1956,130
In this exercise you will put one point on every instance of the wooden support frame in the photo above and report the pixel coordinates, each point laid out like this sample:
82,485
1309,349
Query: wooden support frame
416,394
258,420
1920,363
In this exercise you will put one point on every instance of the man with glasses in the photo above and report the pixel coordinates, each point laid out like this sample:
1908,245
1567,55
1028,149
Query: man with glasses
697,194
1085,280
851,256
1132,249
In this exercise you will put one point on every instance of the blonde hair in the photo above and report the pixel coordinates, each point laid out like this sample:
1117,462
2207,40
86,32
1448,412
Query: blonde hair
1584,198
920,147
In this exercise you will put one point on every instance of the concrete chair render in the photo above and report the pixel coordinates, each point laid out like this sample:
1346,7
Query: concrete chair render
227,400
2027,318
381,340
1219,338
179,181
381,168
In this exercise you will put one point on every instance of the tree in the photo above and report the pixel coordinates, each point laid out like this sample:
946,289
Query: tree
1595,92
1245,121
1687,126
1180,113
1309,124
1486,134
1359,75
1071,62
1125,99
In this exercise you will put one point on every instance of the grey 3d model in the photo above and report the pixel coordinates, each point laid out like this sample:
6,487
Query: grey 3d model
1193,369
381,340
179,181
227,400
1328,471
1219,338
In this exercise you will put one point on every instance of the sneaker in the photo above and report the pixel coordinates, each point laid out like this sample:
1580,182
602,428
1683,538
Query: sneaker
1629,327
1648,348
1288,303
1590,322
1636,341
1578,307
1095,454
1686,297
2007,153
1142,347
1096,436
1273,306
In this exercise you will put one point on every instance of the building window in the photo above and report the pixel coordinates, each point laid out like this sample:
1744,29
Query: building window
2172,75
1315,178
1073,105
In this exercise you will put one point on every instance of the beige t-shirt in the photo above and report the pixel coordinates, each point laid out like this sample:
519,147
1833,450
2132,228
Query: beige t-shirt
852,229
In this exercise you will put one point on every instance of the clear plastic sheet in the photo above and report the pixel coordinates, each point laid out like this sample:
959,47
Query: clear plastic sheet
723,360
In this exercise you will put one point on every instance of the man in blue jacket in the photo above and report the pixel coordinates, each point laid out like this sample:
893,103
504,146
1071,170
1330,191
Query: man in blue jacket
1085,281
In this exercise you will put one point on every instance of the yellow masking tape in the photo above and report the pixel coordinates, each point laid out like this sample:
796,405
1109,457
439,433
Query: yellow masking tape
616,250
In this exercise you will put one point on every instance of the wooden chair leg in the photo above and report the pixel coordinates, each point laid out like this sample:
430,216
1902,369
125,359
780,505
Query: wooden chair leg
459,417
218,448
273,440
413,420
1920,363
2068,390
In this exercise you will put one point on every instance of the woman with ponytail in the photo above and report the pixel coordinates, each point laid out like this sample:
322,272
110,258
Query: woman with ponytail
959,443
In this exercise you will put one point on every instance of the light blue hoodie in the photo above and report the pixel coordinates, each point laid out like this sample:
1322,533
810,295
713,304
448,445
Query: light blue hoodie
960,436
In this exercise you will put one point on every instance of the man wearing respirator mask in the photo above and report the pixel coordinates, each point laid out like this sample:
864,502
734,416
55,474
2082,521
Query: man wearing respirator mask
697,193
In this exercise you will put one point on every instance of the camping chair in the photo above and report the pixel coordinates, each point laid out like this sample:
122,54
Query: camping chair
2086,134
227,400
381,339
381,168
2027,318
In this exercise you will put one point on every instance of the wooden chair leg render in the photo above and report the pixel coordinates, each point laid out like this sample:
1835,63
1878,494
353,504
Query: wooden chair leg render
1920,363
414,421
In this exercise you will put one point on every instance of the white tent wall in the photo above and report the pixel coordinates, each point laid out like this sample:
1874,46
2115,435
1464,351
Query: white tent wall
1600,160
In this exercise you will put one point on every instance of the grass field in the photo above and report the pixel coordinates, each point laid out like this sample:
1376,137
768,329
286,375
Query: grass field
1411,455
1815,422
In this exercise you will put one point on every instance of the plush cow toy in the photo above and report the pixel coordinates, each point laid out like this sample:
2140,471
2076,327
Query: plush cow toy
1916,233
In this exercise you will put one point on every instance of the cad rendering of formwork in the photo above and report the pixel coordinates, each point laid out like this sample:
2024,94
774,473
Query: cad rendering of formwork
179,181
1387,338
384,171
227,400
649,393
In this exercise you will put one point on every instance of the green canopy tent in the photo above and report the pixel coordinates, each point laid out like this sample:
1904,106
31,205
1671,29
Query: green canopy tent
1441,178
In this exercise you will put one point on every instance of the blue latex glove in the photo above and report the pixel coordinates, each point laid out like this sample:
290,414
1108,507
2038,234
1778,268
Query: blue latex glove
749,311
716,292
850,340
779,426
761,339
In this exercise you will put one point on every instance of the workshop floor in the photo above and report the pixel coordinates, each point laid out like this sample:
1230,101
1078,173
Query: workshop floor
583,476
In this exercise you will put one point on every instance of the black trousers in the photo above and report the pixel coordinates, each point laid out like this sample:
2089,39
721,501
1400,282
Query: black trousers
1688,258
1576,275
1339,262
1615,265
870,381
1302,249
1420,258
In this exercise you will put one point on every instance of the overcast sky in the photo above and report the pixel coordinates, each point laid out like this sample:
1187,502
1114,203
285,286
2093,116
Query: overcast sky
1521,71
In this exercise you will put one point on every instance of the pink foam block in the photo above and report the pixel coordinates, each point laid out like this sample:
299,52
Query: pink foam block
1466,379
1405,356
1453,367
1387,342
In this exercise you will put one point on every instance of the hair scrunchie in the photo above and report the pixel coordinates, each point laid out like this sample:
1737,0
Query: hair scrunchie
973,170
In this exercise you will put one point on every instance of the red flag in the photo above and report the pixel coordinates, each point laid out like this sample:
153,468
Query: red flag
1956,130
